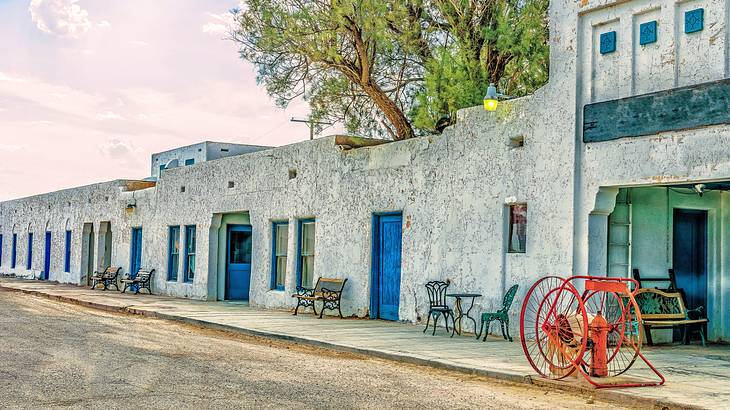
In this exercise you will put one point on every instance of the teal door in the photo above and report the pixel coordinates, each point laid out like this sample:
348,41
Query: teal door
135,260
238,262
386,275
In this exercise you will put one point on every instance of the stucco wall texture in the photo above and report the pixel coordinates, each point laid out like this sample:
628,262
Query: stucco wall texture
452,189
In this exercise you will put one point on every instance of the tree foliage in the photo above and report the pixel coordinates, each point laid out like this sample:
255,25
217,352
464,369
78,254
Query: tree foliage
393,68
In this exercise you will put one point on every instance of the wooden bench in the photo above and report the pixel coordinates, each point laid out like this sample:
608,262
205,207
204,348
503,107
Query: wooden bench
107,277
664,310
140,281
327,290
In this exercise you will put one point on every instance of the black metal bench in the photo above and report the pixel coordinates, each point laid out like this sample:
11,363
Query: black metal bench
107,277
327,290
140,281
662,310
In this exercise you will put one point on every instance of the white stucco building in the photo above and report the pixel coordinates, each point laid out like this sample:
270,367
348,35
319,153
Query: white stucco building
609,160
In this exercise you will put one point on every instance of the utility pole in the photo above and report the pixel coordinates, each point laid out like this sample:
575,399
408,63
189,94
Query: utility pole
311,123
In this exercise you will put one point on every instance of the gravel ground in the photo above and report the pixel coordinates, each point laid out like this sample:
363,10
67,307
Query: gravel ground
54,354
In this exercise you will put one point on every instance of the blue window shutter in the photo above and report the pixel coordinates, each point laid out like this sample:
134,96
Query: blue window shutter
608,42
173,253
190,252
648,33
694,21
67,255
189,161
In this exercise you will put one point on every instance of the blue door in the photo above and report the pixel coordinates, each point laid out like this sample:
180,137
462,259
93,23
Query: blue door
690,255
47,258
135,260
385,294
238,262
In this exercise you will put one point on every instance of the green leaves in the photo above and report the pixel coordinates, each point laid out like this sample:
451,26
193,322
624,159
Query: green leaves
393,68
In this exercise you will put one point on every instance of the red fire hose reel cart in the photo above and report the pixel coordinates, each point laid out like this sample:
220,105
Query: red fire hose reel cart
596,332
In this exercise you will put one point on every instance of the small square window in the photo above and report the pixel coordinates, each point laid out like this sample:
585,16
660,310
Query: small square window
189,161
231,184
182,188
648,33
517,240
608,42
694,21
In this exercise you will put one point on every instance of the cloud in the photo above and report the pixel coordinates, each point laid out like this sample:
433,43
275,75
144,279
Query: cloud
62,18
218,24
11,147
108,115
121,151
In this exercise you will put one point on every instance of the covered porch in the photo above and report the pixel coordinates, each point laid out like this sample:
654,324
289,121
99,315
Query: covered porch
673,237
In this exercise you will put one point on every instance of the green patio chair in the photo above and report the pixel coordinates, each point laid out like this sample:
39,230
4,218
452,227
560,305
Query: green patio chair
502,315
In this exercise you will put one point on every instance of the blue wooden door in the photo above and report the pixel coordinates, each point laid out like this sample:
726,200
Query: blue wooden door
238,262
388,259
135,260
690,255
47,258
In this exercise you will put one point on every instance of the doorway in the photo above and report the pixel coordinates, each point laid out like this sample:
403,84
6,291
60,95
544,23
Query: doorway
689,258
87,252
238,262
47,258
135,260
386,262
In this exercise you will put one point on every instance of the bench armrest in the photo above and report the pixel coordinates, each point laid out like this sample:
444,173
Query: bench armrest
302,291
698,312
330,294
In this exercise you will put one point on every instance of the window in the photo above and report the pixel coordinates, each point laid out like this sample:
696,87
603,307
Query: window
279,246
189,161
14,252
67,254
29,259
173,258
189,253
305,267
517,228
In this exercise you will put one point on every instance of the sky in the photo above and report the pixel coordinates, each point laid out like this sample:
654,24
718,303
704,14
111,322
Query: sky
89,89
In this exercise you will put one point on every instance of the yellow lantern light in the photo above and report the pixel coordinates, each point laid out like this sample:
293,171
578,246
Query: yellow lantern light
491,99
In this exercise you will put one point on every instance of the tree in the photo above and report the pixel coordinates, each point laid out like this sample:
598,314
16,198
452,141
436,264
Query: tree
391,67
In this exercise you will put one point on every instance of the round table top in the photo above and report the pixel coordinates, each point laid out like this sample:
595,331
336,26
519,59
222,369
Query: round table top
464,295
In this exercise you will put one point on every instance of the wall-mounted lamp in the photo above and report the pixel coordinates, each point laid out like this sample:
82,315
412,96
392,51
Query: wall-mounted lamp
491,100
700,189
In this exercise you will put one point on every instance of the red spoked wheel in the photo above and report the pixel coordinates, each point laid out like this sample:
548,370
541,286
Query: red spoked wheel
624,338
554,327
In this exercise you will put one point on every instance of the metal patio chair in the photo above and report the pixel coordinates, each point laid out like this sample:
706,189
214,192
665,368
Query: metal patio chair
502,315
437,306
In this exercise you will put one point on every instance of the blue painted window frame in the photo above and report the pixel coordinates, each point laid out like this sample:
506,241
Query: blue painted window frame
274,254
300,243
648,33
689,15
608,42
1,249
173,266
189,161
29,256
14,252
190,235
67,253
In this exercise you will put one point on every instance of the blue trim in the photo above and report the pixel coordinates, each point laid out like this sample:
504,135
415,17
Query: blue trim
135,249
67,253
1,249
29,256
648,33
608,42
272,282
172,270
299,247
694,21
190,231
189,161
14,253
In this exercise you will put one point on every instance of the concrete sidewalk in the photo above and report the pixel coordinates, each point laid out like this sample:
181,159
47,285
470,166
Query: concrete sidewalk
696,377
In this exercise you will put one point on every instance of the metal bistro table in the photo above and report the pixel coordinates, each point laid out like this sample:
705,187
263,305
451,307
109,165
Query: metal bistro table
459,312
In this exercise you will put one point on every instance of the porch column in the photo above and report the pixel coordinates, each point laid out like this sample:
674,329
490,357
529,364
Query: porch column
598,231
